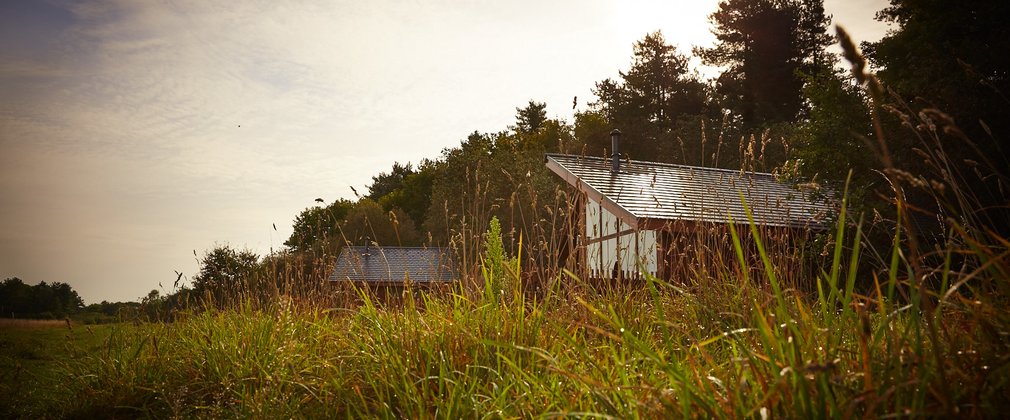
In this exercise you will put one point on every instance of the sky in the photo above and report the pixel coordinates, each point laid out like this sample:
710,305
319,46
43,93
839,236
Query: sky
135,133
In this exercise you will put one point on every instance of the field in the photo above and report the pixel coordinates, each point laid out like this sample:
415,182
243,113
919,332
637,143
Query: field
34,356
718,347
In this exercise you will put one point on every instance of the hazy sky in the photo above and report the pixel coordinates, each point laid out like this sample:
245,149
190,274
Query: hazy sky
134,132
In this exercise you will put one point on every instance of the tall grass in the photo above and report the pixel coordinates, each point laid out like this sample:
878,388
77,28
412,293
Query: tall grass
725,350
928,333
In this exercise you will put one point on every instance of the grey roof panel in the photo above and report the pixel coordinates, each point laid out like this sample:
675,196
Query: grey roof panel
394,264
661,191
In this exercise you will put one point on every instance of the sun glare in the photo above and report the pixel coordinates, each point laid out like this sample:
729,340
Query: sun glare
684,23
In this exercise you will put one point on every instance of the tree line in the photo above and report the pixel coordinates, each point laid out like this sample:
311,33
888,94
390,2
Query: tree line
43,300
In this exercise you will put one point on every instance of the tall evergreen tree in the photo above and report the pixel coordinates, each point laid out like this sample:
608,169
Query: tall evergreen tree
652,97
765,44
531,118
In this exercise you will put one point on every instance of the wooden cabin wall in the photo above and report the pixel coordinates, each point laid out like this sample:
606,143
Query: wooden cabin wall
615,249
691,251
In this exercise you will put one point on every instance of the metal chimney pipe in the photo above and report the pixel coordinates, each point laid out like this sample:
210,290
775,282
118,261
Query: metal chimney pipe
615,145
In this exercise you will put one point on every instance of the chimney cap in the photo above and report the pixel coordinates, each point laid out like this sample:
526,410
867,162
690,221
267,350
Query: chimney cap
615,132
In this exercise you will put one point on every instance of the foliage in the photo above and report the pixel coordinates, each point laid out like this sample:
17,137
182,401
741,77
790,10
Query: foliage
951,54
106,312
223,270
946,67
765,45
316,229
531,118
385,183
44,300
367,221
650,101
503,176
592,132
413,194
833,140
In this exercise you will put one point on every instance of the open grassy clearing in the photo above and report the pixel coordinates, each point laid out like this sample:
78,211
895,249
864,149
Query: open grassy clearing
643,353
34,355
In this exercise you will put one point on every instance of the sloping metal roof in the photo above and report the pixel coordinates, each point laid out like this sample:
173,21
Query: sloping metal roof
394,264
651,191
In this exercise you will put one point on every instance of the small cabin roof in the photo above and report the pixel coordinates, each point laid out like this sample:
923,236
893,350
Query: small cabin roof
643,192
394,264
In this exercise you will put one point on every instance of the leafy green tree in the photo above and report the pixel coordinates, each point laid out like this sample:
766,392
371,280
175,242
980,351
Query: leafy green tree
46,300
315,229
385,183
498,175
368,221
15,297
553,136
226,273
66,298
453,192
833,140
950,54
413,195
592,133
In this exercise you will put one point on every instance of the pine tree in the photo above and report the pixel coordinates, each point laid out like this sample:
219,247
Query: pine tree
653,96
766,45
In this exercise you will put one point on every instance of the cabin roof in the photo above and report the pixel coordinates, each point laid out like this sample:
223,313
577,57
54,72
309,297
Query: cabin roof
394,264
644,192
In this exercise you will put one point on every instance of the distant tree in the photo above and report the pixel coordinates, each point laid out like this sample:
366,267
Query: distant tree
531,118
812,37
454,181
385,183
497,175
110,310
592,132
552,137
225,273
315,229
413,196
950,55
650,101
368,221
66,298
15,297
832,140
45,300
153,296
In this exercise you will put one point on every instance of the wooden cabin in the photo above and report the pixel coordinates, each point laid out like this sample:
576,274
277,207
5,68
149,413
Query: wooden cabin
639,216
